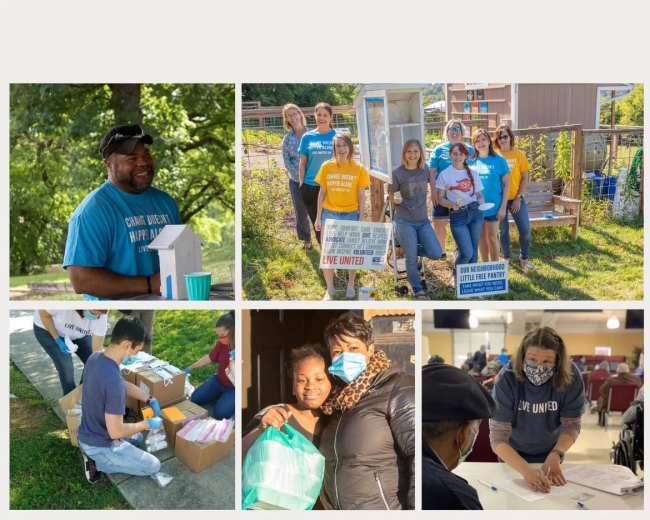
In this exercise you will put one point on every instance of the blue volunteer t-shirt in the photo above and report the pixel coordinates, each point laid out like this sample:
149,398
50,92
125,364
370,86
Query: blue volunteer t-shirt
111,229
535,411
104,391
440,157
491,170
318,149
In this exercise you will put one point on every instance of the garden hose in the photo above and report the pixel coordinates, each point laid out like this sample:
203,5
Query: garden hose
633,182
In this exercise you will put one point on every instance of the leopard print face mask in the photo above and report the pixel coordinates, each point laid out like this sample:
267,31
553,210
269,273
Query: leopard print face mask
344,397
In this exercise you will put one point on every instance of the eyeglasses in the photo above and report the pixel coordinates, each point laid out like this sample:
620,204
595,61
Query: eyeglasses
503,137
293,115
455,129
128,133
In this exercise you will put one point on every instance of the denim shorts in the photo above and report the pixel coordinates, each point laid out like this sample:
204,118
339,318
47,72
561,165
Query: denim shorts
338,215
491,218
440,211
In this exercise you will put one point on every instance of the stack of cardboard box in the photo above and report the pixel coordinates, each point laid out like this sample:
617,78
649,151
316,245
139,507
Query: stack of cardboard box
176,411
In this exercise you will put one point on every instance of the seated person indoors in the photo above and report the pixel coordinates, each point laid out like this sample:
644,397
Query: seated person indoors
623,375
107,443
581,364
540,397
450,426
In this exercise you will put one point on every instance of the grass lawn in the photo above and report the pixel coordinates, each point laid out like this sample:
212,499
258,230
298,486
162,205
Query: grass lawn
605,263
44,469
56,481
215,260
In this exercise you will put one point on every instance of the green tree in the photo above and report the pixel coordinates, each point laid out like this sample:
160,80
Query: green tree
55,162
301,94
631,107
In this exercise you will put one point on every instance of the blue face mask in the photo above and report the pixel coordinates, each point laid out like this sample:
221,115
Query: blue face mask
129,359
348,366
90,316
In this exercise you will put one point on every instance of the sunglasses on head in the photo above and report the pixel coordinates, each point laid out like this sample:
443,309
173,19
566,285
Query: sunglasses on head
503,137
128,133
454,129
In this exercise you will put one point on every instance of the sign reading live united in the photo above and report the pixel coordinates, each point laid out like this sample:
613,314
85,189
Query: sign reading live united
347,244
482,279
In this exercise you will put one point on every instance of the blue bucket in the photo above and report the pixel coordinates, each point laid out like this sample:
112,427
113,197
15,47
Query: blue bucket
609,186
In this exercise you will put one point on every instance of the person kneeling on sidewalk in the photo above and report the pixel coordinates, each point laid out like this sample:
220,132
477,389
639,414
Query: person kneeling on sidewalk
107,443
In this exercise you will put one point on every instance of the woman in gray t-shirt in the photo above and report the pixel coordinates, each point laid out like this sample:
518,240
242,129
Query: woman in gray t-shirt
413,229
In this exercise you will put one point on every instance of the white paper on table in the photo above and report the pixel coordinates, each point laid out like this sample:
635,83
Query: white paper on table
608,478
518,487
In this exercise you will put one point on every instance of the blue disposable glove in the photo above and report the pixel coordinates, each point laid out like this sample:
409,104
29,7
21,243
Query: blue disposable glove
156,407
154,422
187,370
62,346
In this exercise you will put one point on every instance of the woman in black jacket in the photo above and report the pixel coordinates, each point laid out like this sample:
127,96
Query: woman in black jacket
369,444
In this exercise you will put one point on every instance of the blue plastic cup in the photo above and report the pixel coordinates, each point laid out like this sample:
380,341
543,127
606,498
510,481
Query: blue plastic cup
198,285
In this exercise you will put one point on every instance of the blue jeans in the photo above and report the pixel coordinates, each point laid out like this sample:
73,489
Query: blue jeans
466,225
302,217
416,239
523,226
338,215
125,458
212,390
63,362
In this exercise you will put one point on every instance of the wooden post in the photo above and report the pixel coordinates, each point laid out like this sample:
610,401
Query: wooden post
376,198
613,151
576,163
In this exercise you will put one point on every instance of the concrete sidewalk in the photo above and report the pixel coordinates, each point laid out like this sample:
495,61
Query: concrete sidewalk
214,488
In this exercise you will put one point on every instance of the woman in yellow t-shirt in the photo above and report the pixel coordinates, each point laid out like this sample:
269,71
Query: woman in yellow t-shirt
504,144
343,183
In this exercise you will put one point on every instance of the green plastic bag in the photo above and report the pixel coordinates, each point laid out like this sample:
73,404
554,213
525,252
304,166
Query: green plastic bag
282,471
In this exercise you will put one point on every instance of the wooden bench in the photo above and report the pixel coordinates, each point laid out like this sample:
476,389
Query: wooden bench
541,201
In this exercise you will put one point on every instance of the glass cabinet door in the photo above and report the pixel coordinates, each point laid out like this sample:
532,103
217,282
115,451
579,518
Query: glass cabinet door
378,134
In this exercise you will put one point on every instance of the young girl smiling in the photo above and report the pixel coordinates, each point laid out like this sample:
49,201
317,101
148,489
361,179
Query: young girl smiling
459,189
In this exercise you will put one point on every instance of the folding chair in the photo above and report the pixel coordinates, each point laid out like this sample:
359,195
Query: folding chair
619,398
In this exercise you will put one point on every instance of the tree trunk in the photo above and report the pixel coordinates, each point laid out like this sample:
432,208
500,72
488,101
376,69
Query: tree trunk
125,101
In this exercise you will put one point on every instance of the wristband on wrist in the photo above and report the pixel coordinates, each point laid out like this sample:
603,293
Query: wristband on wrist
148,284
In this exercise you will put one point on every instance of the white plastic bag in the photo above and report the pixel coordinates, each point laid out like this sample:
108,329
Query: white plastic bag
156,440
162,478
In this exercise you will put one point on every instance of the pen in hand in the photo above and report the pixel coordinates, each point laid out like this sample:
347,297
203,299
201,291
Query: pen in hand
493,488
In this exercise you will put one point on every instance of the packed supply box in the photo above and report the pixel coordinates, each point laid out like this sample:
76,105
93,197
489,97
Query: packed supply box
71,406
200,456
177,416
204,442
164,387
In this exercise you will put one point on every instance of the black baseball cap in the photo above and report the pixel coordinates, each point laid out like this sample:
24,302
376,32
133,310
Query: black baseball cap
450,394
122,139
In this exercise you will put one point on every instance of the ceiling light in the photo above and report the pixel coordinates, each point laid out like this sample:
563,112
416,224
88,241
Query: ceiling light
473,322
612,323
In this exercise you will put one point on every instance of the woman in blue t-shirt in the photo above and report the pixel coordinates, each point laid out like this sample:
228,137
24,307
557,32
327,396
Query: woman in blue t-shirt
315,148
495,176
540,397
439,161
